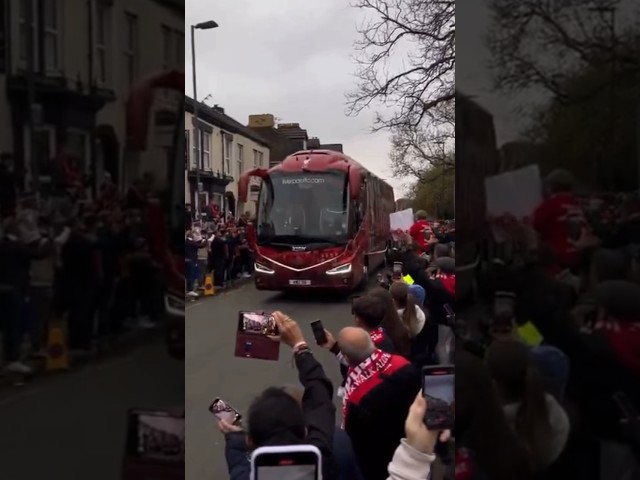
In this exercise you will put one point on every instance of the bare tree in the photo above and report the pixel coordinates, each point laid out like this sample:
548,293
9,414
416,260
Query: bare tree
422,152
406,59
545,44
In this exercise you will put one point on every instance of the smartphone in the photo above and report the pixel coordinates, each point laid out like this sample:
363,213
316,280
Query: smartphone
397,269
438,387
295,462
318,332
223,411
156,436
252,339
449,311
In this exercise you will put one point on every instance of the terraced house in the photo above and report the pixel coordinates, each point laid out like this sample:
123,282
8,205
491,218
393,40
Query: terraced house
66,68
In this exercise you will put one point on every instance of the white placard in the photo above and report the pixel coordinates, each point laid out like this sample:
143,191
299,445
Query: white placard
516,193
401,220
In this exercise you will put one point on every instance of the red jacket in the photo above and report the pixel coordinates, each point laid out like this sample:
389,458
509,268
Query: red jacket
550,221
417,231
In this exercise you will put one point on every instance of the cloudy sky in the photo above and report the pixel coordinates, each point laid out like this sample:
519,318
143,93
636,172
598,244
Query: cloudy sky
290,58
472,73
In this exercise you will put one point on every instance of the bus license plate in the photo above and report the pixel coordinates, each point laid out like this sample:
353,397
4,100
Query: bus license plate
299,282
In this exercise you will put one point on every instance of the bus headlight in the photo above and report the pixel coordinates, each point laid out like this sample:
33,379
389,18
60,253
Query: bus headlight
174,305
258,267
340,270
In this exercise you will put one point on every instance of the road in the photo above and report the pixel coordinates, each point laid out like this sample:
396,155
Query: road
213,371
72,426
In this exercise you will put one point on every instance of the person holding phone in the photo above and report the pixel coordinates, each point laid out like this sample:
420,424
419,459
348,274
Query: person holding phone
276,419
415,454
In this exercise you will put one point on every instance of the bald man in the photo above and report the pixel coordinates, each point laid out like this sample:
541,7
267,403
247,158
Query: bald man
379,390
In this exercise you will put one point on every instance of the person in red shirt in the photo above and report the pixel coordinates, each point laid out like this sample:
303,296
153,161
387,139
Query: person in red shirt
560,221
419,229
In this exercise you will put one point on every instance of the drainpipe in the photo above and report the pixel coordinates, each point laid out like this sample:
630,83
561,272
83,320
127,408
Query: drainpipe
31,97
92,95
223,137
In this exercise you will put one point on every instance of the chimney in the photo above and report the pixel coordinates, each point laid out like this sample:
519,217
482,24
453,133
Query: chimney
265,120
218,109
313,142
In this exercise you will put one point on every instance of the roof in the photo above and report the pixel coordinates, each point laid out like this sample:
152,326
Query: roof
223,121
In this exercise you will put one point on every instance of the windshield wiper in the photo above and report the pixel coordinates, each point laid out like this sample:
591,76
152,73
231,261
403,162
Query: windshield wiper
296,241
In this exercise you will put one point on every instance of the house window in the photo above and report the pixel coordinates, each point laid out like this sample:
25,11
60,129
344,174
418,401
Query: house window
103,42
203,163
130,49
172,48
167,48
51,35
260,159
179,49
255,158
25,31
240,159
228,151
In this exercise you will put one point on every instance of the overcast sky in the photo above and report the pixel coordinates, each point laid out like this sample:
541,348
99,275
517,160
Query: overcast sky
473,75
290,58
472,72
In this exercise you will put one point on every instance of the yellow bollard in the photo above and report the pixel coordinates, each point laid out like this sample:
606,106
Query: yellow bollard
208,285
57,352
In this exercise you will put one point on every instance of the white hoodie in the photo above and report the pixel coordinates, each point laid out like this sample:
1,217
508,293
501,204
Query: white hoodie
409,464
560,427
421,320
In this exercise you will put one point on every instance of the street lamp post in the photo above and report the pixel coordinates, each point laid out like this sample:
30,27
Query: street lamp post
198,137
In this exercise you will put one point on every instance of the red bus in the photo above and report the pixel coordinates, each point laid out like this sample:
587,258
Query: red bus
164,218
322,222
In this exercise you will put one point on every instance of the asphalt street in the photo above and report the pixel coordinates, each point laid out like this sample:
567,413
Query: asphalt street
72,426
212,370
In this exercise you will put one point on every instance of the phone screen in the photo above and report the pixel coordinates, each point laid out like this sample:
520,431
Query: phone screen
287,466
287,472
223,411
397,268
157,436
318,332
258,322
438,388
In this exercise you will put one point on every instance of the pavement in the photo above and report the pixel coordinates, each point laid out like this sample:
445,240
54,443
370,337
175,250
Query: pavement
213,371
72,425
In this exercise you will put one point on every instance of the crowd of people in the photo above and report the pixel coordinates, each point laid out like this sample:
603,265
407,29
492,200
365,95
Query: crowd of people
380,431
550,364
84,263
218,245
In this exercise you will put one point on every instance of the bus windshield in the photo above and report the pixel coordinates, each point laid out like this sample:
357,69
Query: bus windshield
303,208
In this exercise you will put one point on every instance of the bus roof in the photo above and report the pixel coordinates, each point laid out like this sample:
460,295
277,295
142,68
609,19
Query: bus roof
318,161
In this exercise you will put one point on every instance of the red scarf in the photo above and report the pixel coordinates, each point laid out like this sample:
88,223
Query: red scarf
448,282
464,465
377,335
368,375
624,338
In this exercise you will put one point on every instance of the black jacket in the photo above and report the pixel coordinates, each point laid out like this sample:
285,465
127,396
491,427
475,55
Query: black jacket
15,261
319,414
376,423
